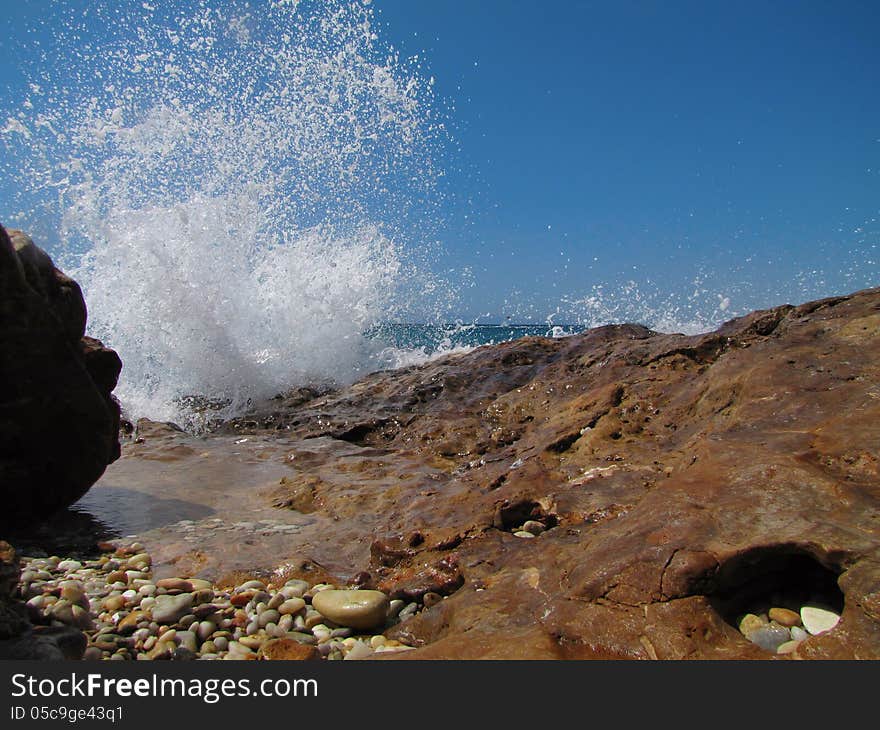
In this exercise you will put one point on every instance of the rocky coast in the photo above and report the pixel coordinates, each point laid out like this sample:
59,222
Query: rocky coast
618,494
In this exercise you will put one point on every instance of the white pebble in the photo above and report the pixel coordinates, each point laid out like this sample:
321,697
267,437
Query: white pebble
818,620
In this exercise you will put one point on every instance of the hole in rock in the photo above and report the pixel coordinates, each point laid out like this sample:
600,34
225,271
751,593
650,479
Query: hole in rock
762,593
525,516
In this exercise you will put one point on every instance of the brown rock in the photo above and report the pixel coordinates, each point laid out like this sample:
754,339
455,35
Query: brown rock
685,480
243,598
128,624
443,578
785,617
287,650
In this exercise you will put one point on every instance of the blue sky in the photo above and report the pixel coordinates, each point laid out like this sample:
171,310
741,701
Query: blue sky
729,146
741,139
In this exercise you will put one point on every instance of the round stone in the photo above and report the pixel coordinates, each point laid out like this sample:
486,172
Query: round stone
784,617
139,561
251,585
533,526
117,576
360,650
770,637
431,599
209,647
295,588
751,623
523,533
818,620
291,606
175,584
357,609
113,603
798,634
270,615
205,629
395,607
169,609
276,600
73,591
198,584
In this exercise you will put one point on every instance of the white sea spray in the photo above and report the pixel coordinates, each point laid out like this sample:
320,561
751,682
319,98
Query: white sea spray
242,189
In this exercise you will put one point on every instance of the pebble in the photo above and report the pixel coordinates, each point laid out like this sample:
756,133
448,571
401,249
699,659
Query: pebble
751,622
270,615
523,533
128,615
172,584
360,650
276,601
533,526
799,634
141,561
199,584
818,620
251,642
431,599
169,609
288,650
251,585
291,606
770,637
784,617
187,639
357,609
243,598
787,647
73,591
395,607
113,602
302,637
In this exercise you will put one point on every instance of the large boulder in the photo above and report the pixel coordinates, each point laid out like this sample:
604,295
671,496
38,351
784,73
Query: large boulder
59,422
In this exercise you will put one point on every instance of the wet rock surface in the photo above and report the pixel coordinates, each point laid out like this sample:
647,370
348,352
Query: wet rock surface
617,494
60,423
